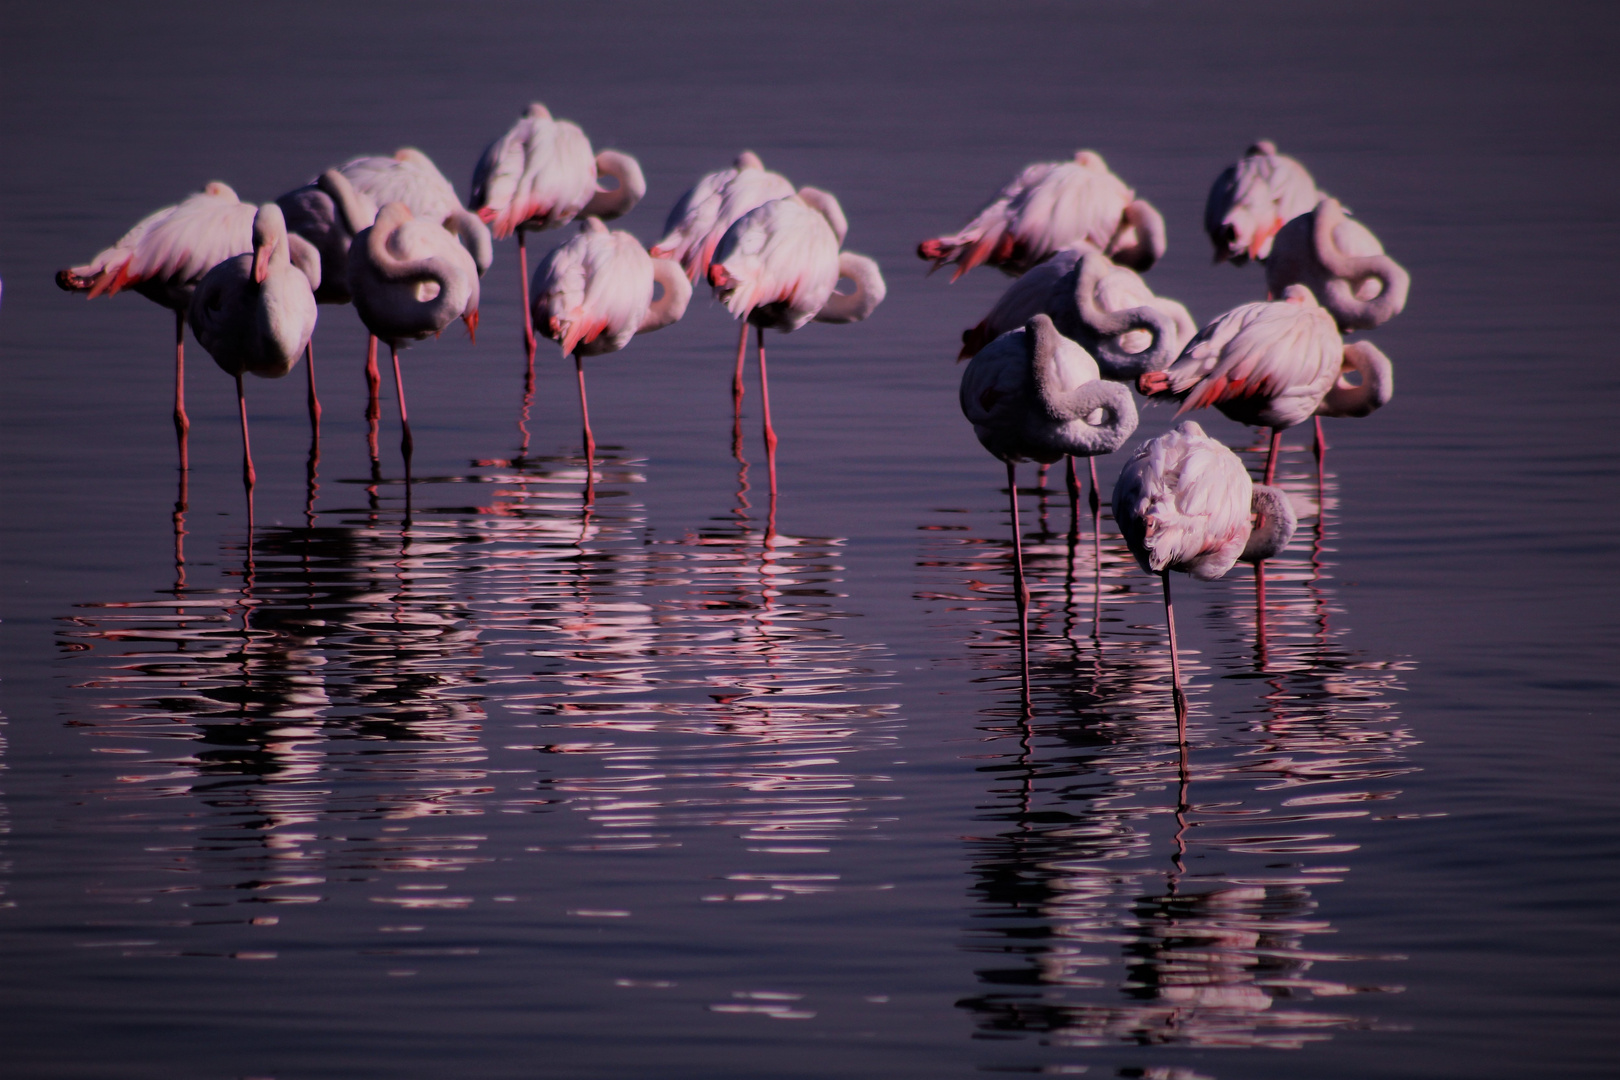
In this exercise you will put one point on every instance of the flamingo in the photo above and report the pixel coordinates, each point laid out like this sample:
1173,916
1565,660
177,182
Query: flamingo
1275,364
1032,394
779,265
594,293
328,213
1185,502
1051,206
256,313
410,279
1254,198
541,175
1343,265
701,217
410,177
163,258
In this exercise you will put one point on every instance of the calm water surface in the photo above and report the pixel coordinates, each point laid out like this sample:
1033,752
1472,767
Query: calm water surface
461,778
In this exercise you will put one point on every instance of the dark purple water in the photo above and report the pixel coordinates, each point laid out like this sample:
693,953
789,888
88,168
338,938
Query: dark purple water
493,790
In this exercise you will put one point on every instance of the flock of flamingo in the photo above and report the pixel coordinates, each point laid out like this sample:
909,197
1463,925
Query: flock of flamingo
1051,366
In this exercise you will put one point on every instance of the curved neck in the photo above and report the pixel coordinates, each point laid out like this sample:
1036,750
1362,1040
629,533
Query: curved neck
390,266
1110,326
474,235
609,204
357,211
269,242
1377,384
825,204
870,290
1348,271
668,308
1274,524
1148,224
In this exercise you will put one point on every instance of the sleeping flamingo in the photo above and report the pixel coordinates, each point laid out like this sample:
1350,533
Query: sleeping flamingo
328,213
701,217
410,177
1051,206
255,313
1184,502
1275,364
163,258
540,175
1342,263
1253,199
778,266
594,293
410,279
1032,394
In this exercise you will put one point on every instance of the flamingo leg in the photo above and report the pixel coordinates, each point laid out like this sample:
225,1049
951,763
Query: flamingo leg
181,503
1096,549
406,443
1176,696
1321,452
765,405
1020,589
373,381
528,316
182,423
1271,458
737,394
590,440
248,475
1260,613
1072,482
314,399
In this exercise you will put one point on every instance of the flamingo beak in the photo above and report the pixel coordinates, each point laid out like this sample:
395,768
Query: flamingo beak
261,263
471,319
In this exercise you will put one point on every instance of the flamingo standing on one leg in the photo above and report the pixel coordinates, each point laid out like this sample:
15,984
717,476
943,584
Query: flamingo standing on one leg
1032,394
700,219
410,177
328,212
594,293
778,266
540,175
1108,311
410,279
255,313
163,258
1253,199
1184,502
1275,364
1051,206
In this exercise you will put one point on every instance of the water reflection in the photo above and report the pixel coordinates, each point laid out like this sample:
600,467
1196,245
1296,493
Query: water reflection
1130,891
311,721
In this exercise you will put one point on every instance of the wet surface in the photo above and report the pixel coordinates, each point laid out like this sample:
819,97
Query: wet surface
458,772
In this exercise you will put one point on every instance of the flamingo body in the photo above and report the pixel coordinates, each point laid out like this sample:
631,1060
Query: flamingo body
1183,502
255,313
1051,206
410,278
411,178
595,292
701,217
1253,199
329,212
541,174
1342,263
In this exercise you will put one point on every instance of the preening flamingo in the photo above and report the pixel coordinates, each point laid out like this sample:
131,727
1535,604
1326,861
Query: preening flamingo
410,177
255,313
1275,364
1032,394
1185,502
1342,263
594,293
1254,198
163,258
778,267
329,213
410,279
540,175
1051,206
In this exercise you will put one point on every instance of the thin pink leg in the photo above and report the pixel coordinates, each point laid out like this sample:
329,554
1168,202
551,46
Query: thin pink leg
1271,458
1020,589
1096,517
528,316
590,440
248,475
373,380
314,399
406,443
765,405
1321,452
737,393
1176,696
182,423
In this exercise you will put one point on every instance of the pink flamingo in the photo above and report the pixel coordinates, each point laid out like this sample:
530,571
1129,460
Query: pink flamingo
410,279
1253,199
596,292
163,258
1342,263
1051,206
410,177
256,313
778,266
1276,364
701,217
1184,502
540,175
